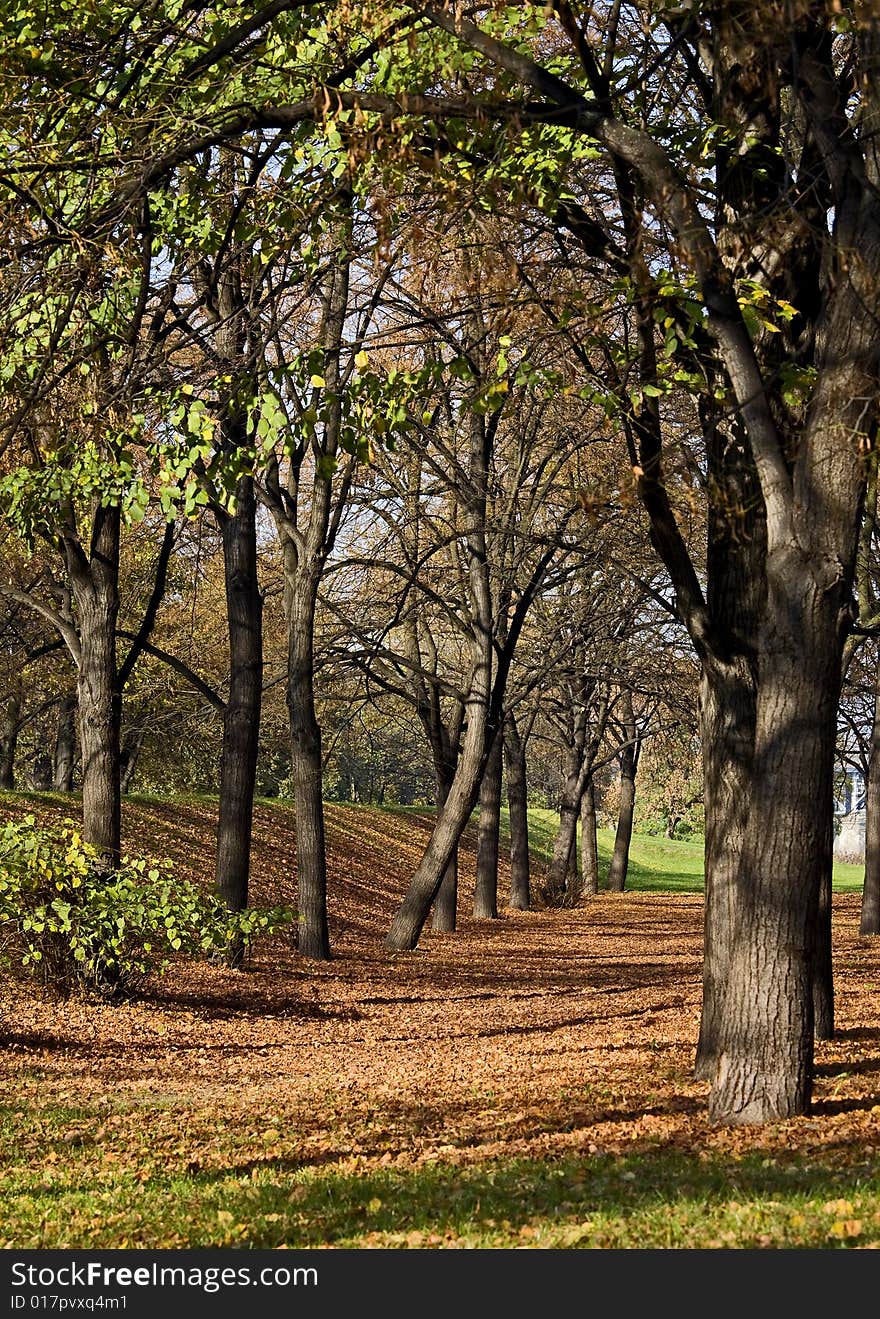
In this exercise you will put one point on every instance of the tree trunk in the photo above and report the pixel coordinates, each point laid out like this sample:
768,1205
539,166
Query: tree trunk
727,709
410,916
9,729
823,963
96,592
313,939
870,919
571,875
765,1057
129,755
65,744
517,801
41,774
412,912
241,719
486,889
445,916
736,594
589,851
623,837
566,838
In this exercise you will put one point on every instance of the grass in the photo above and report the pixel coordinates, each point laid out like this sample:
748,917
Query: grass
656,1198
656,864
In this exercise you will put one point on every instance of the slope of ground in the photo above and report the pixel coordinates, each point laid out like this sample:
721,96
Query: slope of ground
523,1082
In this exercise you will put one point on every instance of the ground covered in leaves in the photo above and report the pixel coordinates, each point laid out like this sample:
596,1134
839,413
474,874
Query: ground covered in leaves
525,1082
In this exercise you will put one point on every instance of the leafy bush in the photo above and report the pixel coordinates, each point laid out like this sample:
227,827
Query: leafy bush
67,921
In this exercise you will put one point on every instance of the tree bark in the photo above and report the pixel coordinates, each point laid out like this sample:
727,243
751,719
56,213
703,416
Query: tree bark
445,914
727,721
583,749
765,1057
870,915
517,801
629,759
736,575
241,720
486,889
95,587
9,729
589,850
569,804
65,744
823,962
313,939
413,910
410,916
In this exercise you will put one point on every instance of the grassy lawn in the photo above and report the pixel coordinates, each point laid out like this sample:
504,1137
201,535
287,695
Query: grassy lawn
656,864
132,1187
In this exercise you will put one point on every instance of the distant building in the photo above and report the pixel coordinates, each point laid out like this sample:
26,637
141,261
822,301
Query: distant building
849,841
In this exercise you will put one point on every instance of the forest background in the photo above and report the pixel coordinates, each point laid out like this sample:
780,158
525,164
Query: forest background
413,405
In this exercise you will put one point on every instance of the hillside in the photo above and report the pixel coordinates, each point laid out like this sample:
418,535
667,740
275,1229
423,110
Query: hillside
525,1082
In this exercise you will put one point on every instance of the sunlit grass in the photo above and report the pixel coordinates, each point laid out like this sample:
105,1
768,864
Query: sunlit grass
656,864
120,1193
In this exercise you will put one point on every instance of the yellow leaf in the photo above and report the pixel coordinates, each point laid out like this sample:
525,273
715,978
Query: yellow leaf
847,1227
361,360
318,382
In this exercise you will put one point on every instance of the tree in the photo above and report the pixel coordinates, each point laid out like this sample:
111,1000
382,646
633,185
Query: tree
771,324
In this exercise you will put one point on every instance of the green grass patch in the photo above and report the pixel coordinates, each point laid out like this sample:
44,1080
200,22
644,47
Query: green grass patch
656,863
656,1197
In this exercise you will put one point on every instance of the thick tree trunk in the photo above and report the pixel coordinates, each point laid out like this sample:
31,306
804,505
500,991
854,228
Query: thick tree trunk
241,719
486,888
629,760
727,710
765,1057
870,918
589,850
65,744
9,728
96,592
313,939
517,802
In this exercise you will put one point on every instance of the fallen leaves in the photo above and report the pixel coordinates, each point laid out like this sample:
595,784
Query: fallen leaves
548,1036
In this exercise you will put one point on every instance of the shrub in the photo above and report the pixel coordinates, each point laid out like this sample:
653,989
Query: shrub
73,925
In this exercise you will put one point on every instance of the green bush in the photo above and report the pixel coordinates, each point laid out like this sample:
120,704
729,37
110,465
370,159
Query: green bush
67,921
